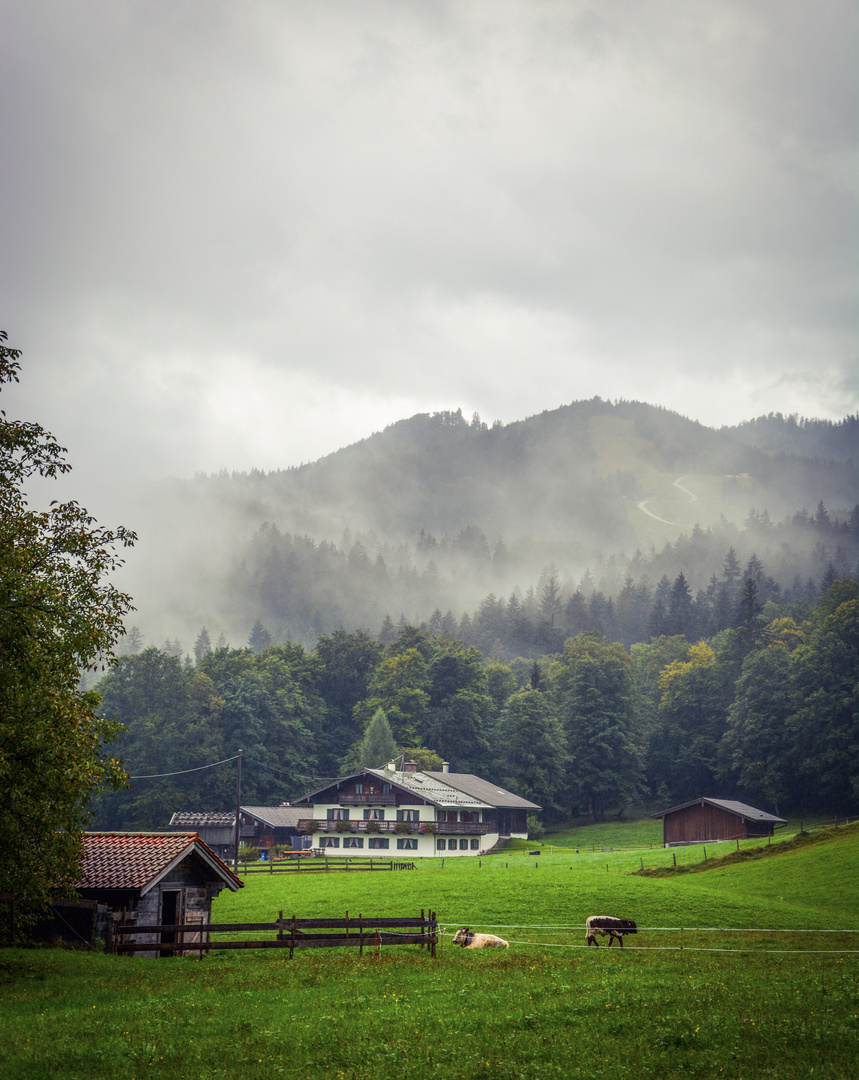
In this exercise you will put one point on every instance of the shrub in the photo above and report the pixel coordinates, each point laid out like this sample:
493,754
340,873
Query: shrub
535,827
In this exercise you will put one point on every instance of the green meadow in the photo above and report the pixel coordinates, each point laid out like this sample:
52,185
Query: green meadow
738,971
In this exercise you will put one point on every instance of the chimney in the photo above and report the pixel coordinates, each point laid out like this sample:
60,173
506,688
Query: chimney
410,766
445,766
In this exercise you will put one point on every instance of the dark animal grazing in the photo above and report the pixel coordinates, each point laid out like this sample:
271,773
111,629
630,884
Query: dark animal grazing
608,924
466,939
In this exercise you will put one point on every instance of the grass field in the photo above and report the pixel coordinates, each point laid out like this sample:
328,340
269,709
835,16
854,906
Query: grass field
705,989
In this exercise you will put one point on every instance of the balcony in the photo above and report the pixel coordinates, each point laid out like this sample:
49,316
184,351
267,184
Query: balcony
441,828
462,828
369,800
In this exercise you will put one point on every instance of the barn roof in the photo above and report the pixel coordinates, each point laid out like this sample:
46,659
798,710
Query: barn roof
279,817
136,862
188,821
731,806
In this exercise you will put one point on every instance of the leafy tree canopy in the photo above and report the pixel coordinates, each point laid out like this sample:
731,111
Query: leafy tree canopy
58,616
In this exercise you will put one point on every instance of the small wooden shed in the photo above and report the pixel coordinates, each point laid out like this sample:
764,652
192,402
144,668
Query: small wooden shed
153,879
705,820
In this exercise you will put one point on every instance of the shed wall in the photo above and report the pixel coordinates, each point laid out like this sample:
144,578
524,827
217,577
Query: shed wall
697,824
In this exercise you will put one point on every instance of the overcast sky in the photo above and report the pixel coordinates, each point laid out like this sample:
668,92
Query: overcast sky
242,235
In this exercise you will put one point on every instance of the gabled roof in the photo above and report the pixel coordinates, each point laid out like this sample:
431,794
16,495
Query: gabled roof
136,862
190,821
741,809
445,790
279,817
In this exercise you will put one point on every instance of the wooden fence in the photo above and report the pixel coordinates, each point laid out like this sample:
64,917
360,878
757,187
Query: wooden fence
291,933
322,863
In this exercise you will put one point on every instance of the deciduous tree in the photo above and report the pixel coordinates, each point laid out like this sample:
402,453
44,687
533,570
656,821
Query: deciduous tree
59,616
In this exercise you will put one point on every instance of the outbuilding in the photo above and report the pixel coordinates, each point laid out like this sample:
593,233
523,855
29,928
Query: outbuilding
154,879
705,820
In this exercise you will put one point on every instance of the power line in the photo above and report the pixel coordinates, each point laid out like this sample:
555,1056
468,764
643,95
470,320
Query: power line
183,772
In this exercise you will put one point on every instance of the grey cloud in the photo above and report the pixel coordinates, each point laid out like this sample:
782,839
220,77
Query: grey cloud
318,216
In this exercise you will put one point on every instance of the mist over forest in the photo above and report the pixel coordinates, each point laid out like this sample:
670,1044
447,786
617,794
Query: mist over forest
439,516
597,606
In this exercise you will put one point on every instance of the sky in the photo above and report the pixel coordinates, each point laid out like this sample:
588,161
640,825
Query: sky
243,235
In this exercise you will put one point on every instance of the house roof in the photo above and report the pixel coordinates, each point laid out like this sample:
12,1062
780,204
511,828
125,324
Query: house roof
279,817
732,806
186,820
446,790
136,862
490,793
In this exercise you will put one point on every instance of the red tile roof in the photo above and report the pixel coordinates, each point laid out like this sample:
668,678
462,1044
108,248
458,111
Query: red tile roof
136,861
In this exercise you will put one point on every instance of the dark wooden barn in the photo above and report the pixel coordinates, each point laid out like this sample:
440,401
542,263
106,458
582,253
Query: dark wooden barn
706,820
154,879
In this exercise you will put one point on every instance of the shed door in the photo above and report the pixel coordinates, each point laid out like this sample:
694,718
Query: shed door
172,914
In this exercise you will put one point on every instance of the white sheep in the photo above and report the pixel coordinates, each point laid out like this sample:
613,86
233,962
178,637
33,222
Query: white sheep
468,940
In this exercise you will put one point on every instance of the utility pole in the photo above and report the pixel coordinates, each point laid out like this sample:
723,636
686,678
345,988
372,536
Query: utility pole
238,810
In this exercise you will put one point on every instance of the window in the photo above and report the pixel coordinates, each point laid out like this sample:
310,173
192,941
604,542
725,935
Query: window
407,844
353,841
469,815
359,788
329,841
386,788
448,815
374,815
463,845
337,813
475,844
379,842
408,815
441,845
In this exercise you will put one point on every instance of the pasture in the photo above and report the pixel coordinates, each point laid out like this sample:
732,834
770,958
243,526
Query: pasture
707,988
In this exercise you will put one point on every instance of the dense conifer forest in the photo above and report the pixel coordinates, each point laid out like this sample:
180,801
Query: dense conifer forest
602,605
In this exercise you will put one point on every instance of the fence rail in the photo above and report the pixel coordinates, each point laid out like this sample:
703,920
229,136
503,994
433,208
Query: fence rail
321,863
292,933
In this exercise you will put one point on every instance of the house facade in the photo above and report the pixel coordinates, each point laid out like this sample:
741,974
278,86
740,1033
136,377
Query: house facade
405,813
704,820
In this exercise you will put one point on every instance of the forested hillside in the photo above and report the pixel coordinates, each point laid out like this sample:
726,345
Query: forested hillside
766,710
597,605
579,518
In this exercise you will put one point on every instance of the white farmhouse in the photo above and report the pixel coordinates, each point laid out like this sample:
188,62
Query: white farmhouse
400,811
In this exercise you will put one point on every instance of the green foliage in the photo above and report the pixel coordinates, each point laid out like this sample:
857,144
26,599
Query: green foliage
377,746
594,693
58,617
536,830
532,751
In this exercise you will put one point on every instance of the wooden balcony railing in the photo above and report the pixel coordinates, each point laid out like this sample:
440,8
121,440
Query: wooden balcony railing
441,828
365,799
